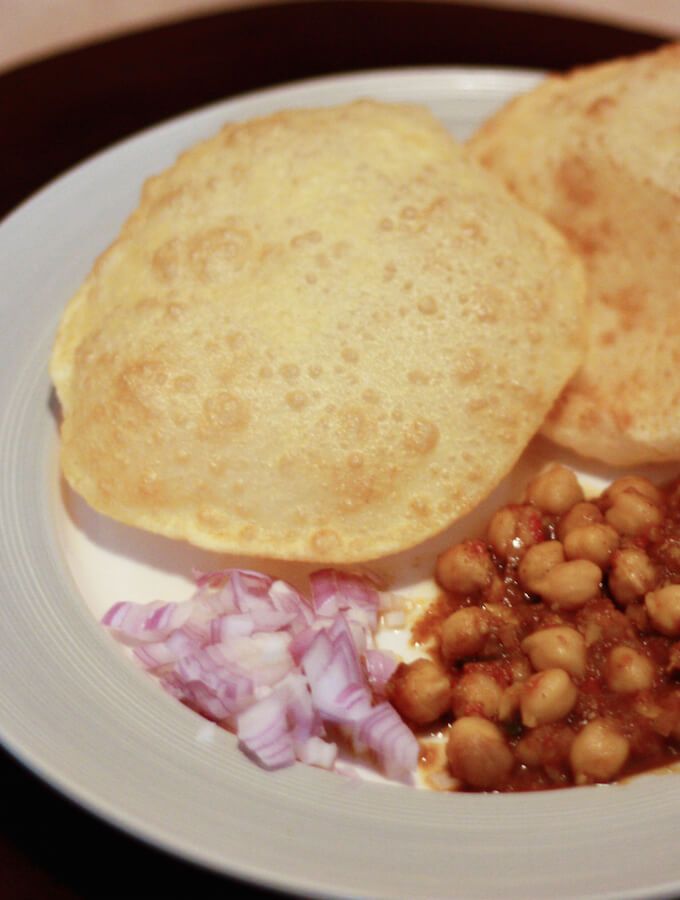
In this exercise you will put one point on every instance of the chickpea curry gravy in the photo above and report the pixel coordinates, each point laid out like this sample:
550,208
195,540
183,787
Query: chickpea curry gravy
556,642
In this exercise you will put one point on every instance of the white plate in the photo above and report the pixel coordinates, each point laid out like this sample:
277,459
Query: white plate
80,715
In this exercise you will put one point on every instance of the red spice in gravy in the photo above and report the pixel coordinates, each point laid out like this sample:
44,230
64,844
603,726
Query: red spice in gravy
624,681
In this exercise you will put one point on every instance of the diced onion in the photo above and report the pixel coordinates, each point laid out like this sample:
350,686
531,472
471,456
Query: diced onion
380,666
317,752
263,731
249,652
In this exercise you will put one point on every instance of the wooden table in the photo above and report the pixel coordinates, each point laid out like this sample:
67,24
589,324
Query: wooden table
58,111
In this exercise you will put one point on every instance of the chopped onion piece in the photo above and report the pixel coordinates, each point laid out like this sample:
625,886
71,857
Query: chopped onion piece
161,653
205,677
324,592
286,599
302,642
263,731
209,579
249,652
333,591
317,752
380,666
304,720
318,656
237,625
151,622
357,591
394,743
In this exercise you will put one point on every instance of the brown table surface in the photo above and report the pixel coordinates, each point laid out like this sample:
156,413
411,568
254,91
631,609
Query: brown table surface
60,110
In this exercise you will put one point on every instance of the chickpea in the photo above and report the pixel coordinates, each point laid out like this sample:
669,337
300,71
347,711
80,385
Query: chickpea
559,647
547,697
464,633
420,691
628,671
555,491
595,542
547,745
465,568
537,562
579,515
501,615
598,752
514,528
496,590
633,514
478,753
674,658
569,585
631,575
663,607
477,694
637,614
509,704
520,669
636,483
528,751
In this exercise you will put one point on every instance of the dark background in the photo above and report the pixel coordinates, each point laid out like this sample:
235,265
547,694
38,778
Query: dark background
56,112
60,110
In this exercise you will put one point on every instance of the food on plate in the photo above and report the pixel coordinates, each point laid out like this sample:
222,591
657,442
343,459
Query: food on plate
555,645
597,152
323,335
550,659
289,676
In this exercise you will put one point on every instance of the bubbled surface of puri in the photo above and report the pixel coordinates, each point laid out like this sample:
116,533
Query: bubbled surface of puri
597,152
323,335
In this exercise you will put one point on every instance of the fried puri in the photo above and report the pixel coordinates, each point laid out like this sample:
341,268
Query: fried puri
597,152
323,335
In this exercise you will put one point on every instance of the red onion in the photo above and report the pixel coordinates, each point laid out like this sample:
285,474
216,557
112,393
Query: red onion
380,666
315,752
394,744
263,731
250,653
133,622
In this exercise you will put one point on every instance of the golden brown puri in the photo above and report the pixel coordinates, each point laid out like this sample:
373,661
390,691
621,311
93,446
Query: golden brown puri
323,335
597,152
